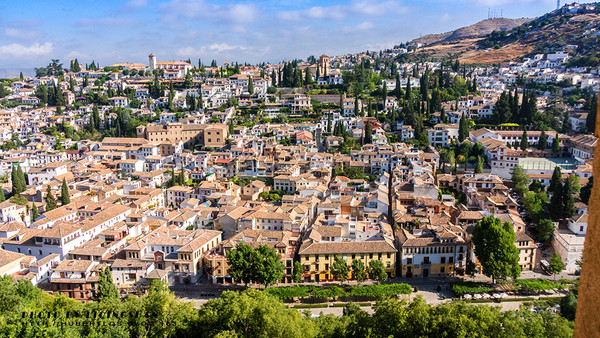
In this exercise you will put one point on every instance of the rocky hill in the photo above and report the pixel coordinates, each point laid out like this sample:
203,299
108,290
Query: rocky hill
548,33
480,29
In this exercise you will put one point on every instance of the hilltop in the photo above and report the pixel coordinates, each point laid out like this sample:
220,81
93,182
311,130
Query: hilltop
480,29
548,33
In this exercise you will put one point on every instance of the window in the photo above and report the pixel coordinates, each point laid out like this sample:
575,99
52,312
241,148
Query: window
443,260
442,269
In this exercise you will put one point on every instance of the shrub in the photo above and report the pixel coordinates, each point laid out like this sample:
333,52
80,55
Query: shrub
330,292
289,291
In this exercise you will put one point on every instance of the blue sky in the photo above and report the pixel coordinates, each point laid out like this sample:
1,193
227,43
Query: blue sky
32,32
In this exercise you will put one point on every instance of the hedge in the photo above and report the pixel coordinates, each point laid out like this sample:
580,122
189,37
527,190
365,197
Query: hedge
461,288
382,290
539,284
333,291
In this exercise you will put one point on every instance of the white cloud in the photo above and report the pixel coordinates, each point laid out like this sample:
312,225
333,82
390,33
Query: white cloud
175,10
21,33
361,27
18,50
338,12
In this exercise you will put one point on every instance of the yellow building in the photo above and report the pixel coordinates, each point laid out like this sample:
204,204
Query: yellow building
213,135
432,252
318,251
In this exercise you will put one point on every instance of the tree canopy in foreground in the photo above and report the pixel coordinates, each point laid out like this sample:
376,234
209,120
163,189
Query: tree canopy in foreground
255,313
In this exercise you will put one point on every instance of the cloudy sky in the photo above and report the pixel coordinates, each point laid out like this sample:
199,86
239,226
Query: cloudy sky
34,31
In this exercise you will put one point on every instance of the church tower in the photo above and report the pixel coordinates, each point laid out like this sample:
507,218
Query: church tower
324,65
152,62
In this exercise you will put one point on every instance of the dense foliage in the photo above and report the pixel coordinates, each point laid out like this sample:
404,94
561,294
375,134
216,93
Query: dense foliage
254,313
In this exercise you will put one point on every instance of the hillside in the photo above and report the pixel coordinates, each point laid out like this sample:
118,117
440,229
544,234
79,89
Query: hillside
480,29
548,33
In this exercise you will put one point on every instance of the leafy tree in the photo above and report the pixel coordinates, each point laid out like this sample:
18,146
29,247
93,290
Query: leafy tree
545,230
64,193
240,263
50,200
251,313
18,180
340,269
267,262
359,272
568,306
377,271
556,264
524,141
261,265
495,248
536,186
297,272
520,180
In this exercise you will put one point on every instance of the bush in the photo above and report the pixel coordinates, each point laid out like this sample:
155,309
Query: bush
416,289
310,306
461,288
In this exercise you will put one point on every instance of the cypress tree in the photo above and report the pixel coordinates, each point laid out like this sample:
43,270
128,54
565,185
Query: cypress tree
543,142
34,212
524,141
2,197
568,203
64,193
463,129
556,180
556,144
368,133
50,200
250,86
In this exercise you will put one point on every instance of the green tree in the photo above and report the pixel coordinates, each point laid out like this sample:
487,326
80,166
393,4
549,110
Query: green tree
297,272
240,263
463,129
568,202
250,86
64,193
545,230
377,271
267,262
106,289
359,272
543,142
586,190
251,313
368,133
524,141
50,200
520,180
502,113
340,269
556,144
479,167
34,212
495,248
568,306
556,264
2,196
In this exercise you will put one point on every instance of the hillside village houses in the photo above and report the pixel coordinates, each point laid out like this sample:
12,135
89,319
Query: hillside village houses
171,199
